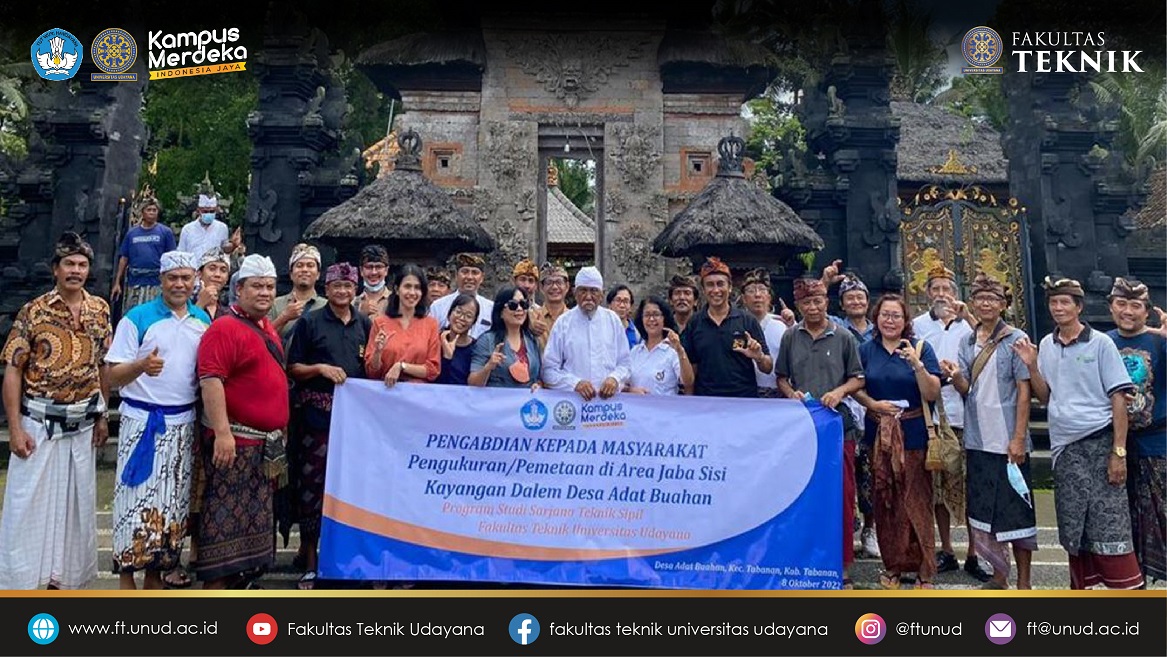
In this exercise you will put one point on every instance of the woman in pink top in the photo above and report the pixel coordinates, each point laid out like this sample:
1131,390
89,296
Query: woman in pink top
403,344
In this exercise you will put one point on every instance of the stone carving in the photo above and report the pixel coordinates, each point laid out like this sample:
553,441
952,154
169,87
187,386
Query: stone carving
525,205
657,207
513,246
636,155
509,152
614,206
484,204
884,226
572,66
632,253
263,216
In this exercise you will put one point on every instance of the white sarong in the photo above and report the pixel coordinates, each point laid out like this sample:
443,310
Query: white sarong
150,519
48,526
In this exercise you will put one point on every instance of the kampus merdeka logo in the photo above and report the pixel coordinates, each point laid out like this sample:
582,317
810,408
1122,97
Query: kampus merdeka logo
206,47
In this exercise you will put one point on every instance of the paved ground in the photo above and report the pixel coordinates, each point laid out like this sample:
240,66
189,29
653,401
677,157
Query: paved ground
1050,569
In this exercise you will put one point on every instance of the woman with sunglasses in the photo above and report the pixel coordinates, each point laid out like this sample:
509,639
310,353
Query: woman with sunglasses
457,345
660,365
507,356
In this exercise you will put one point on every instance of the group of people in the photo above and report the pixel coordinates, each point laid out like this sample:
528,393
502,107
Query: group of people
227,403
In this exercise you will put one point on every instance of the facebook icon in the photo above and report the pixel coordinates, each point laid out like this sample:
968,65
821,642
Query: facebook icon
524,629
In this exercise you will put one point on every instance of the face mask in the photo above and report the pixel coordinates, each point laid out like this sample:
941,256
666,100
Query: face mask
207,217
369,287
1017,481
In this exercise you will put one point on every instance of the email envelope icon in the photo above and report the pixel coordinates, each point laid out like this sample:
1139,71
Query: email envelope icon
1000,629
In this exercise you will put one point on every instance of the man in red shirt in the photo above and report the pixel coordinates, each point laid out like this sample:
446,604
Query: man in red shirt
245,399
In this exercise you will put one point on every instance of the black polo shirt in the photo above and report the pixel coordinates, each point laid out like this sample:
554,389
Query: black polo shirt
721,371
321,338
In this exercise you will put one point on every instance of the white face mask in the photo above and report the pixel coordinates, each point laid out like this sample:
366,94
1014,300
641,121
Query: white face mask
369,287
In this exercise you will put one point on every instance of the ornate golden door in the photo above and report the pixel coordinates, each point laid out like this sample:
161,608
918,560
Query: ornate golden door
968,231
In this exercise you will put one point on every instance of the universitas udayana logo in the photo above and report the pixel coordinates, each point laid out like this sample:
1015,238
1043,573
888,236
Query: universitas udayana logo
982,47
57,55
114,51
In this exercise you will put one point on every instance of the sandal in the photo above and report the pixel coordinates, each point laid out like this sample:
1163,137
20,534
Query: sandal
993,585
307,581
176,578
889,581
924,586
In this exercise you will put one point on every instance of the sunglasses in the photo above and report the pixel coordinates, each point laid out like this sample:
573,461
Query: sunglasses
514,306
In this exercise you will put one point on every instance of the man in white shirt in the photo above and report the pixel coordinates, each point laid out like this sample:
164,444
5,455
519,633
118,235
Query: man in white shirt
469,277
758,298
587,350
945,326
206,232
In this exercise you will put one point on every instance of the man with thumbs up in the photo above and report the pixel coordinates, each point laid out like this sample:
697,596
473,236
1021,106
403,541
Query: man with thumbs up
152,360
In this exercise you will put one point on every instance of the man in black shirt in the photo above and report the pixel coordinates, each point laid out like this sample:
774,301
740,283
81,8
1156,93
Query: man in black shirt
724,343
328,348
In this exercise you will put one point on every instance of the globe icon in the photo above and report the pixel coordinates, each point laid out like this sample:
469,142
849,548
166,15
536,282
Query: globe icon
43,629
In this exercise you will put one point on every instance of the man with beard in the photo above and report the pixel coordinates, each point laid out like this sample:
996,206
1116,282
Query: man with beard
55,387
946,325
1144,351
327,349
140,253
587,350
724,343
374,270
758,299
555,288
158,339
245,399
470,276
683,295
1079,374
304,270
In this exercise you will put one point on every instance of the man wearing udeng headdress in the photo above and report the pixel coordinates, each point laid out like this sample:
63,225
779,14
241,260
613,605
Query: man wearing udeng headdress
55,387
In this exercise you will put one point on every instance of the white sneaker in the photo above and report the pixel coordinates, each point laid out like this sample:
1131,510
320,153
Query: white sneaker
870,545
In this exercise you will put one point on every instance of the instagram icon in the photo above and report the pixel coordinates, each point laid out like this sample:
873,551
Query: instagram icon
870,629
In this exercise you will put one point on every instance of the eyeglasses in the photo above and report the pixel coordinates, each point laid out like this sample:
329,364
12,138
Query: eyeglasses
652,316
554,282
891,316
458,314
514,306
986,298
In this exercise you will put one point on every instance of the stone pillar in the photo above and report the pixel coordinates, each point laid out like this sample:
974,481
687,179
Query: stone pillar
1064,169
84,158
846,184
297,172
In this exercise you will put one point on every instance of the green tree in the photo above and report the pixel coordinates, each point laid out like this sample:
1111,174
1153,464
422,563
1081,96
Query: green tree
198,125
977,97
577,181
920,60
15,70
1142,125
774,131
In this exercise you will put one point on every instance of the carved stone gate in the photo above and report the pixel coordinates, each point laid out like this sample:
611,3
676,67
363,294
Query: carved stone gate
968,231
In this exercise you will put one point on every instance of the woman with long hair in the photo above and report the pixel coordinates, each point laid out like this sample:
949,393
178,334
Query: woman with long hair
507,356
899,375
403,343
660,365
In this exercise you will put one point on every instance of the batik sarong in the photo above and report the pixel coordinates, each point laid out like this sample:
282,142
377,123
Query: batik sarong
904,516
948,488
1147,481
150,520
1094,521
997,514
235,521
136,295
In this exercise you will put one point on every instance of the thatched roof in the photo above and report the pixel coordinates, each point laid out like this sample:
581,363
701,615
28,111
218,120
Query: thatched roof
402,208
939,147
1150,237
733,214
697,47
428,48
566,223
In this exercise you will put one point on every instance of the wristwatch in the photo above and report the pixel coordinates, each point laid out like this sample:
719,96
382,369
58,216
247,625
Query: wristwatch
1120,452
